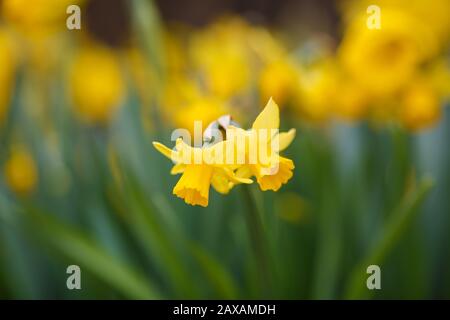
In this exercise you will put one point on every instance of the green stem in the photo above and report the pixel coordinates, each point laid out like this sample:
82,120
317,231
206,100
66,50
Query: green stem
400,220
258,240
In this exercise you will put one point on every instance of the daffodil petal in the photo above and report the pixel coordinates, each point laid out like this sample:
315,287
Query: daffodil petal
220,182
169,153
275,181
269,118
193,185
230,174
178,168
242,180
244,172
285,139
180,144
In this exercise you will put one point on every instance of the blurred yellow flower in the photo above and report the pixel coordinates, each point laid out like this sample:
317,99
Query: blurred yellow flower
175,56
438,75
21,172
198,176
383,61
278,79
351,102
96,84
431,16
220,54
7,69
204,109
37,17
316,92
225,62
383,64
266,46
178,91
183,103
420,108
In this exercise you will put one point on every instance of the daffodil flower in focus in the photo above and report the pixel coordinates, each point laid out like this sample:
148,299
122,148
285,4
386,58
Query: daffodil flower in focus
200,168
270,169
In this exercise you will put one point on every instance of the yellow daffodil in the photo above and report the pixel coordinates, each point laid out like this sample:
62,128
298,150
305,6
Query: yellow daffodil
97,84
278,79
235,160
438,74
199,171
420,108
184,103
351,101
262,158
220,55
21,172
37,17
383,60
204,109
317,88
381,65
431,16
7,68
175,58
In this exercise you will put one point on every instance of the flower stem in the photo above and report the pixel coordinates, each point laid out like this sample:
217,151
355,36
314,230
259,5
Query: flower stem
258,241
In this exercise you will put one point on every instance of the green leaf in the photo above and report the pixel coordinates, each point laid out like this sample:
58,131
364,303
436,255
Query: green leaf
395,228
217,276
82,250
163,246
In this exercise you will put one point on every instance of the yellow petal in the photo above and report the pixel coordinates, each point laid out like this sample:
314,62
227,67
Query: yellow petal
193,185
285,139
275,181
242,180
244,172
235,179
220,182
178,168
269,118
180,144
169,153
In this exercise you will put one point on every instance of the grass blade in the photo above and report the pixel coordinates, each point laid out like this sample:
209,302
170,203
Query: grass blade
79,248
396,226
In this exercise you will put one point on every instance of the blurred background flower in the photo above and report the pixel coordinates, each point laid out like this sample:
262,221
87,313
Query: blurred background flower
8,65
20,171
97,83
